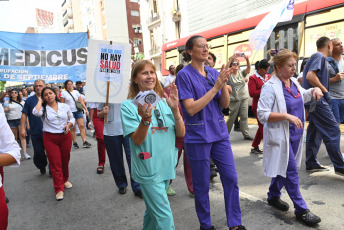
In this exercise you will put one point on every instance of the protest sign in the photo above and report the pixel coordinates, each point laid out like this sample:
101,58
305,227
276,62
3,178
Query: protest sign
51,57
107,63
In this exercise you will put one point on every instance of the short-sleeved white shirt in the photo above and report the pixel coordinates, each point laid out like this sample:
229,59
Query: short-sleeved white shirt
69,100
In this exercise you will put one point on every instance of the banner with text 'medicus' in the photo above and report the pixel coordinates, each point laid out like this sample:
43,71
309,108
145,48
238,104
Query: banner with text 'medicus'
51,57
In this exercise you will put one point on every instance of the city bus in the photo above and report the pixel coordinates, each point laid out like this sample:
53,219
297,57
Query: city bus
312,19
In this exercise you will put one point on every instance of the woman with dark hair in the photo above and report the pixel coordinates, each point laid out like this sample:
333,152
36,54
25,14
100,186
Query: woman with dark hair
255,85
239,96
203,93
57,120
70,96
281,110
13,111
152,143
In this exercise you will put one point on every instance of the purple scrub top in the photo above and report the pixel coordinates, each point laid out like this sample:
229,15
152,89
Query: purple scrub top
294,107
208,125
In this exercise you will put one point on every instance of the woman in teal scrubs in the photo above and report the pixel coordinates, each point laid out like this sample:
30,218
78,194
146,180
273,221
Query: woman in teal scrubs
152,134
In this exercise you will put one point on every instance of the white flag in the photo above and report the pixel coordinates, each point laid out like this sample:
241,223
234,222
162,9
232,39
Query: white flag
262,32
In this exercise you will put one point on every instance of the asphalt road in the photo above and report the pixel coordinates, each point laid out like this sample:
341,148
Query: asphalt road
94,201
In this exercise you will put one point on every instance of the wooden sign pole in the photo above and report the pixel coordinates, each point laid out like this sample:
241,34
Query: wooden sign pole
107,95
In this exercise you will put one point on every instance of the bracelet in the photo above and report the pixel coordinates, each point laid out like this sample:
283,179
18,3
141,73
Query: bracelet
146,120
177,119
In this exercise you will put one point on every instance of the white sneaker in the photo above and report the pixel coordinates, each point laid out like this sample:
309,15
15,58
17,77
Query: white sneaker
27,156
68,185
59,195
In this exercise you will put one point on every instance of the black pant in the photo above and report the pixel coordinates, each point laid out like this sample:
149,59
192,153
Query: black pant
39,157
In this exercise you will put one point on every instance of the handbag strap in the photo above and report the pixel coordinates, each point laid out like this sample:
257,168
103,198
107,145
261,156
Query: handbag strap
18,103
71,95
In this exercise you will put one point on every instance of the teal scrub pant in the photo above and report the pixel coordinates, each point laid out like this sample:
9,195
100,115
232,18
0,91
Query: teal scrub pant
158,214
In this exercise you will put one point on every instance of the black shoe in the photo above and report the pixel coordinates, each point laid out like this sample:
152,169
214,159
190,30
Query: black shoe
339,172
256,150
7,200
213,173
240,227
43,171
211,228
86,145
139,194
318,168
75,145
278,203
122,190
237,129
308,218
248,138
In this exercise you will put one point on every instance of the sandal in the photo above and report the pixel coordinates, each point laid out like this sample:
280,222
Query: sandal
100,169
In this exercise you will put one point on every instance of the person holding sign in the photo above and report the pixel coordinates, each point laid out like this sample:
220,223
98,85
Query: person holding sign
152,132
203,91
71,97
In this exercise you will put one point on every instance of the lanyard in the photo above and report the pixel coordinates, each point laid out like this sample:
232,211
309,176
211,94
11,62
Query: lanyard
213,80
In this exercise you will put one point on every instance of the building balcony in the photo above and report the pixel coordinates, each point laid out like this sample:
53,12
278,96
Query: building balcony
153,19
176,15
155,50
66,4
69,24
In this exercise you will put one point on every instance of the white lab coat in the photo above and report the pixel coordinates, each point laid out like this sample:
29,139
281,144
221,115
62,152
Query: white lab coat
276,134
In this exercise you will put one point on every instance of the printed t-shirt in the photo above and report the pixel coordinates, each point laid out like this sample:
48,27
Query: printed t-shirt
294,107
36,125
208,125
69,99
237,83
160,144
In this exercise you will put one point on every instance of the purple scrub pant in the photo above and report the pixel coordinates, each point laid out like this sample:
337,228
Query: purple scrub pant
221,153
291,182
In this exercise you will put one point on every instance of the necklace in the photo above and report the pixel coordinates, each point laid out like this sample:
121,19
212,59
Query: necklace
289,91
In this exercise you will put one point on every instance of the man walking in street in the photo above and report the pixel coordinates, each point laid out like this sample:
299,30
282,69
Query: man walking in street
36,127
336,71
322,123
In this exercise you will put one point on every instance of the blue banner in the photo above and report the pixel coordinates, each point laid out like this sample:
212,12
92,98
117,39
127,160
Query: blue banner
51,57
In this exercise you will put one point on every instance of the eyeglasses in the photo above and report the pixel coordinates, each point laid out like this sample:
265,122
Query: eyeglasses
14,92
41,86
203,46
235,63
157,115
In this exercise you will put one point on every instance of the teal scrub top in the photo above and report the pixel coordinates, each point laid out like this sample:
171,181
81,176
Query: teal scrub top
160,144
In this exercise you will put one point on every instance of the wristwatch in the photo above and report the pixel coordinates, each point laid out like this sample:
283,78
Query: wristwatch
146,123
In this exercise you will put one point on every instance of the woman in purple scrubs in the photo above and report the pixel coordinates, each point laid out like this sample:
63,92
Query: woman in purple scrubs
203,93
281,110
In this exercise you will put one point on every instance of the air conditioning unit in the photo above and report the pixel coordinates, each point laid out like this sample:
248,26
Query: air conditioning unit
136,31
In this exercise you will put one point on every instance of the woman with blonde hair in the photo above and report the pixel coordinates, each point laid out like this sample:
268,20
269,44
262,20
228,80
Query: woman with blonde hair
153,163
281,110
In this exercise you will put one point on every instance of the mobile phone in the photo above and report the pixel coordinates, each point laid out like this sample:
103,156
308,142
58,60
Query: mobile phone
144,155
240,54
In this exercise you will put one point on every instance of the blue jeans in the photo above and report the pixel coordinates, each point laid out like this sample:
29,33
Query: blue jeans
113,145
338,109
323,126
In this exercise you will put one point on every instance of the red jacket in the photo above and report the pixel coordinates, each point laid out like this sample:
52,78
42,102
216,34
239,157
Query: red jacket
255,85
